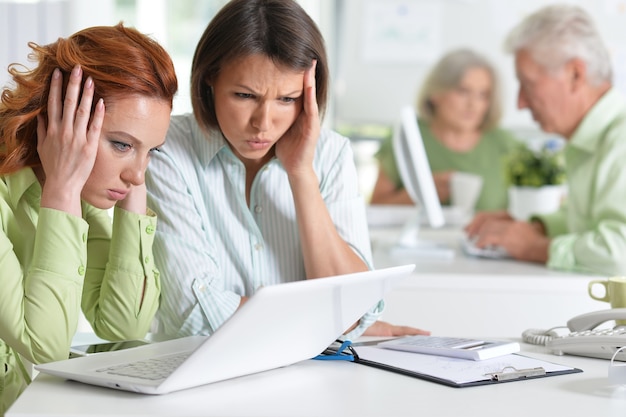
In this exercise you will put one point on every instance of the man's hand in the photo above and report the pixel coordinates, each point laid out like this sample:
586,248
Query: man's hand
522,240
484,217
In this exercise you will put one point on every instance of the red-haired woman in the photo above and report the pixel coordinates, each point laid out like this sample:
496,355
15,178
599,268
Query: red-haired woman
76,135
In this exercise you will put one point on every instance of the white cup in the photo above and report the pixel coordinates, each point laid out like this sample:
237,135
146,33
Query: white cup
465,189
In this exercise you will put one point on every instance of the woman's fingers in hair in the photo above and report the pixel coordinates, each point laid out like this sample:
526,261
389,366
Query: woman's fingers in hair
71,99
310,98
54,97
75,117
41,132
93,134
68,116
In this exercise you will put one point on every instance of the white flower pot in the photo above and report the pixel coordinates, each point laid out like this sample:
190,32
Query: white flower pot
527,201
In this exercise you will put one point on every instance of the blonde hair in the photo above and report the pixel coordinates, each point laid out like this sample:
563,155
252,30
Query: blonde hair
447,74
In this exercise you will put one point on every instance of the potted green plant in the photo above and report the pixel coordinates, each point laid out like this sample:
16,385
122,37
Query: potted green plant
536,180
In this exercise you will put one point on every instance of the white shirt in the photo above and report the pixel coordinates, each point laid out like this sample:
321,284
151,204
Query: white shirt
211,248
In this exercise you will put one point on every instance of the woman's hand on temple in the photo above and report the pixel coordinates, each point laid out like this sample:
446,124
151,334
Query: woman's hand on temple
67,142
296,148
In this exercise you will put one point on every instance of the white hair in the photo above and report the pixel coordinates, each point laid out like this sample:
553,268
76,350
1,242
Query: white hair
557,34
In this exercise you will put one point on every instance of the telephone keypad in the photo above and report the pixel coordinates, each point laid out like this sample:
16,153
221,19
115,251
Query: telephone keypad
600,332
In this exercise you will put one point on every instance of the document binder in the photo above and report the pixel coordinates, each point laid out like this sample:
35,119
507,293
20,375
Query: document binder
460,373
453,372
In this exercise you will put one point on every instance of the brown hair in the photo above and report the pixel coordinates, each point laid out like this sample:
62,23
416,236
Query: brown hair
278,29
120,60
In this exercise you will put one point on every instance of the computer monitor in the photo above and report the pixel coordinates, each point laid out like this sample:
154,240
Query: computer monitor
414,169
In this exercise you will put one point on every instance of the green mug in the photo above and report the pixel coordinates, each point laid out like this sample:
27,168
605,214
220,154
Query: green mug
614,292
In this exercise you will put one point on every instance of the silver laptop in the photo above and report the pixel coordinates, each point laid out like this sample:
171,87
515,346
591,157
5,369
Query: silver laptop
280,325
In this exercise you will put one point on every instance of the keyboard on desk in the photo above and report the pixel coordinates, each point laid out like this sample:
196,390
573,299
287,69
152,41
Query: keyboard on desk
494,252
153,369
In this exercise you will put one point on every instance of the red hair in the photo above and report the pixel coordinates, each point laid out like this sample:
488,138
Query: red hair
120,60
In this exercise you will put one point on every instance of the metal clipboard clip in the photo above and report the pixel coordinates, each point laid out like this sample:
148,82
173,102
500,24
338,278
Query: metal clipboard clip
510,372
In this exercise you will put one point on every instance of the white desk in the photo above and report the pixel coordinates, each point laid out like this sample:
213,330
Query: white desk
463,296
470,296
318,388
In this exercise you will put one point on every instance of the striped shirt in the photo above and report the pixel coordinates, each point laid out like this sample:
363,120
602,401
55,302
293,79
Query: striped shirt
212,248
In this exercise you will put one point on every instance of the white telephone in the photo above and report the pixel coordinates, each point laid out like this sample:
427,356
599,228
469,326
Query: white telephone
585,339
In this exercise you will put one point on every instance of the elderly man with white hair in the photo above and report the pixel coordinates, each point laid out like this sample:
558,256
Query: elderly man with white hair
564,72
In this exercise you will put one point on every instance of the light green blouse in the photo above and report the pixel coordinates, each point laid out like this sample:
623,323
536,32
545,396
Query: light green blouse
51,262
486,160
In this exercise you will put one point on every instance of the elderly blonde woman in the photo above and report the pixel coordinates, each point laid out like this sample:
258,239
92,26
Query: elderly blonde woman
459,111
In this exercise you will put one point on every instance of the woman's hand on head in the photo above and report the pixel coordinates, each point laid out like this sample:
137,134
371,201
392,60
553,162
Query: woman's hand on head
68,143
296,148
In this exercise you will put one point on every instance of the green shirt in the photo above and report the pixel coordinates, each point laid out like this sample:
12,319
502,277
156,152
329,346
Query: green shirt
485,159
50,261
590,230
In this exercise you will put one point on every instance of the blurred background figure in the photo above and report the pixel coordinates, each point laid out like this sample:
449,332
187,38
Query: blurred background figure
566,82
459,109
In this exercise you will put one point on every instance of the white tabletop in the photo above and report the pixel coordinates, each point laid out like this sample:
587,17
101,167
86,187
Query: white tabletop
332,388
459,297
384,242
467,296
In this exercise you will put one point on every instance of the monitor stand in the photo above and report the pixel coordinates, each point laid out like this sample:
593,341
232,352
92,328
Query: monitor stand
409,244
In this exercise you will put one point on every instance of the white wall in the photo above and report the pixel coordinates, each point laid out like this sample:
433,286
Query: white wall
22,22
44,21
372,90
370,83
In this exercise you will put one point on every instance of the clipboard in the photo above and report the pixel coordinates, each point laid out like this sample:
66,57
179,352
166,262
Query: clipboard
453,372
460,373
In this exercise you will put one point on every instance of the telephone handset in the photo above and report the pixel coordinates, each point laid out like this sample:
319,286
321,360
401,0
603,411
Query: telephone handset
585,339
592,320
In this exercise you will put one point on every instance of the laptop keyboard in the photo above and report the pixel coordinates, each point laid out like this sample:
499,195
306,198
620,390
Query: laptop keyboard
152,369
